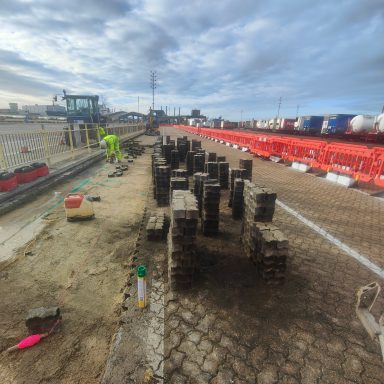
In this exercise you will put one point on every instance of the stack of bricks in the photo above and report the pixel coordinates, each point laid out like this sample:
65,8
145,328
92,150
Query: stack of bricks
212,169
259,202
157,161
179,183
183,259
167,149
198,163
270,253
182,151
210,208
195,144
262,241
210,156
237,200
179,173
220,159
162,181
246,164
198,183
223,174
189,162
236,173
183,146
175,159
155,226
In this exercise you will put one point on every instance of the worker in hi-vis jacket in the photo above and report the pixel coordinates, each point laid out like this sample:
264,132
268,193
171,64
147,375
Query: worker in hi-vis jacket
102,132
111,144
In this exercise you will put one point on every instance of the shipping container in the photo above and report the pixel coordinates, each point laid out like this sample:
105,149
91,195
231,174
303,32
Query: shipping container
299,123
312,124
261,124
229,125
324,126
338,124
286,124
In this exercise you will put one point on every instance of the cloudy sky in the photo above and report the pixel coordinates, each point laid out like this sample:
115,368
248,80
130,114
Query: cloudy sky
225,57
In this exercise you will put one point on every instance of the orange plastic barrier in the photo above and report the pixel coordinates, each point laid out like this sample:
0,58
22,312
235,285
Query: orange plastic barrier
358,161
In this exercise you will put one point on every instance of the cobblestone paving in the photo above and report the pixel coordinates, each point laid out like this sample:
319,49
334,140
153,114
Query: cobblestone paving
232,328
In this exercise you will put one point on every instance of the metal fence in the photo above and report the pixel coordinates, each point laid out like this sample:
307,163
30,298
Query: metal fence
22,148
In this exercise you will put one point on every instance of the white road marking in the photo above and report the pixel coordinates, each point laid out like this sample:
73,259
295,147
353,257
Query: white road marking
348,250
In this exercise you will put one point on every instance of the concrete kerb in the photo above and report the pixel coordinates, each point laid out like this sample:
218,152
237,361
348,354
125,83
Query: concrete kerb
27,192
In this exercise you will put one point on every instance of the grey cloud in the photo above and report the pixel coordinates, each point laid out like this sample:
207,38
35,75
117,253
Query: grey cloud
219,55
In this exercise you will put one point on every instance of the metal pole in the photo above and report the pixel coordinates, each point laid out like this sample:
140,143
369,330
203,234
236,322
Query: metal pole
3,162
278,108
138,104
46,145
71,141
87,138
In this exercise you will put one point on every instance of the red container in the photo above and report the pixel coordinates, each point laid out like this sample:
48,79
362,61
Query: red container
73,200
25,174
41,169
8,181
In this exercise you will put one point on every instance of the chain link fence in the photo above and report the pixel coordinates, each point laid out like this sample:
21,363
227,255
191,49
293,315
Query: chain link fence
22,148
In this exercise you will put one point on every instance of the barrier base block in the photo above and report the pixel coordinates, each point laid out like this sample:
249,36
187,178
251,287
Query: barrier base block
346,180
275,159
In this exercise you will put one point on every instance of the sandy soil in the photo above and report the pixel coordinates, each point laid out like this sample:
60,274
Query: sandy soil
82,267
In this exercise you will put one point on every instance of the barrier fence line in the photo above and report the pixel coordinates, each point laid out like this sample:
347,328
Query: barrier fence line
357,161
19,149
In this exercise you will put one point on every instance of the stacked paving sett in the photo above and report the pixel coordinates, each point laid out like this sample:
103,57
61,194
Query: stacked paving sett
271,252
236,173
155,226
212,168
157,161
179,183
166,150
237,200
198,162
263,242
210,156
223,170
195,144
182,256
198,183
189,162
210,208
247,165
175,159
162,182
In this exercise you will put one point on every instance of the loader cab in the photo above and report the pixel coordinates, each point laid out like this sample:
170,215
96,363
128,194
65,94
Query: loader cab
82,109
83,118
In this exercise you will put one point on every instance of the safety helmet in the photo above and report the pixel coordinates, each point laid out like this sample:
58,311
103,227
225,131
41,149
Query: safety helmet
103,144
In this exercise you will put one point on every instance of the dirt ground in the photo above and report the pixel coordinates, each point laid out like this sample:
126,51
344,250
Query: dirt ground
80,266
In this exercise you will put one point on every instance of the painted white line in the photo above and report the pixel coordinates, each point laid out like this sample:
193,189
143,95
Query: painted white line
348,250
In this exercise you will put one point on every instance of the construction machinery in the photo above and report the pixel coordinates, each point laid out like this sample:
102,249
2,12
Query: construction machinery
82,113
152,125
